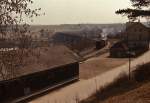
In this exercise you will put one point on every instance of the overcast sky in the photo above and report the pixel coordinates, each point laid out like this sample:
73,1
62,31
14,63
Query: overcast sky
80,11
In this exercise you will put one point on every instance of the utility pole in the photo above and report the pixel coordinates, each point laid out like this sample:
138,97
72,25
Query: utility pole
129,65
129,56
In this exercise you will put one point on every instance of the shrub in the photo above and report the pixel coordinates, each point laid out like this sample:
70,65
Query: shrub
119,85
142,73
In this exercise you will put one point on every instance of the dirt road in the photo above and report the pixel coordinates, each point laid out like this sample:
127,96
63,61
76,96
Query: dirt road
85,88
98,65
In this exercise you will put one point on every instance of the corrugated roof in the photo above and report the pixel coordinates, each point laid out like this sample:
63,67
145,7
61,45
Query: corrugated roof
49,57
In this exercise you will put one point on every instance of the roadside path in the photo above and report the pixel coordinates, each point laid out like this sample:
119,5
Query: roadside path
85,88
98,52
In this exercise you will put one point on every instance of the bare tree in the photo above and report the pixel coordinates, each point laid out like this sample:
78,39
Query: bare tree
13,29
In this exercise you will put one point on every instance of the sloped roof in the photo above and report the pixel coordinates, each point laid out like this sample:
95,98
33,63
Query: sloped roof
120,44
73,34
49,57
129,25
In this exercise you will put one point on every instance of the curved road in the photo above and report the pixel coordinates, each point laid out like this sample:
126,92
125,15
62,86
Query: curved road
85,88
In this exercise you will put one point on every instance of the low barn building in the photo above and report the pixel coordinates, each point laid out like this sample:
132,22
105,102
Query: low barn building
73,40
54,66
119,50
135,39
78,41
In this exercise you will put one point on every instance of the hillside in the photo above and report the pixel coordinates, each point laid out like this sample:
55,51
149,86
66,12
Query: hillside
139,95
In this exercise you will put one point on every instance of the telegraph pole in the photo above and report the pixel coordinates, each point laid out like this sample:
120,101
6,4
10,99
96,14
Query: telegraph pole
129,65
129,57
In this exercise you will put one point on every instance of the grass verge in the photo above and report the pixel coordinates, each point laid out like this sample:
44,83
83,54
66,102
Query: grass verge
122,84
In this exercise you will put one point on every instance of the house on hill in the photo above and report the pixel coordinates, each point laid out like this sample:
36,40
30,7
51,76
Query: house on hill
137,35
135,38
53,67
119,49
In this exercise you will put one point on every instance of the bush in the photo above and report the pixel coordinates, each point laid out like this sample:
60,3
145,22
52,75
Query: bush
119,85
142,73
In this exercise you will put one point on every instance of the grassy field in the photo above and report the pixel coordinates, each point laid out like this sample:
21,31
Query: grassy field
138,95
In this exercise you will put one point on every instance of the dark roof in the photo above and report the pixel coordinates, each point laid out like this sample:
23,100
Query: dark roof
81,32
120,44
68,34
129,25
73,33
50,57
